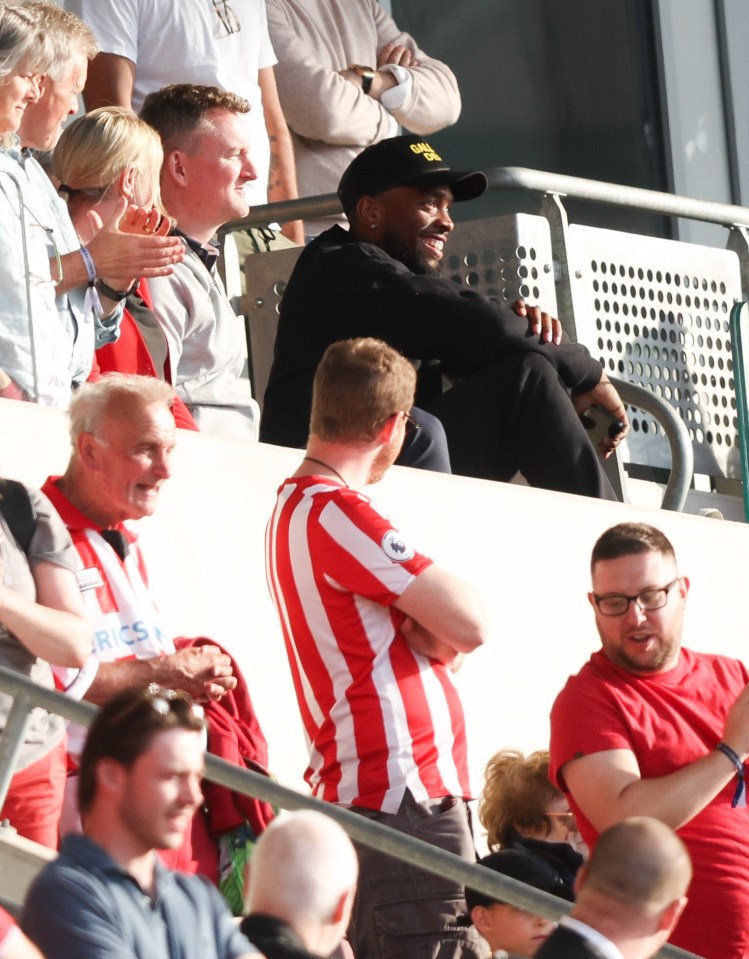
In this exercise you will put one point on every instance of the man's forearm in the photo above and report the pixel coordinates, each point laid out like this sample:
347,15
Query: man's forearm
674,799
282,183
678,797
110,82
112,677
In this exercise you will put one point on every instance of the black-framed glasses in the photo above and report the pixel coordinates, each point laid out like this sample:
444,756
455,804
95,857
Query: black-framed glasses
653,598
228,20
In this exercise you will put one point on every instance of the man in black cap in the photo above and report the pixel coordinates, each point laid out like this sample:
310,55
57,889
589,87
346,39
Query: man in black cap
509,408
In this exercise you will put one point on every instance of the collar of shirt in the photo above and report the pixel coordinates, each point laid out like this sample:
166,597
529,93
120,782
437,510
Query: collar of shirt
206,253
14,150
605,946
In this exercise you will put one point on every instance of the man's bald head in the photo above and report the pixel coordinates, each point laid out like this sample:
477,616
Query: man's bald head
303,871
641,863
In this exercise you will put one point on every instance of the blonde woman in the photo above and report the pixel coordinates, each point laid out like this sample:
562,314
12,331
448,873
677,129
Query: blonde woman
51,308
102,157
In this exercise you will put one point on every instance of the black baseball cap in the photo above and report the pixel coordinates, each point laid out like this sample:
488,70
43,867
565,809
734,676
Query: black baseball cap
525,867
404,161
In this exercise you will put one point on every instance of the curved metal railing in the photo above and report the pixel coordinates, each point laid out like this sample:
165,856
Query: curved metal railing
682,454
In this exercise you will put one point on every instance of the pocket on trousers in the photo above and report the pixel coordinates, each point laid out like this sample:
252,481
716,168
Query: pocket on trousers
423,926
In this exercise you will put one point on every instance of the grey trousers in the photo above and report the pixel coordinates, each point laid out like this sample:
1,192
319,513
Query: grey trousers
402,912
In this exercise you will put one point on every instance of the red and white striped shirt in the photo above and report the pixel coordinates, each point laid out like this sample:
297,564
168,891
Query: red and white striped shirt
379,717
127,624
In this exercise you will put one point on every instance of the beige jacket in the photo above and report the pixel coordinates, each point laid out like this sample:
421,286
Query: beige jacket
331,119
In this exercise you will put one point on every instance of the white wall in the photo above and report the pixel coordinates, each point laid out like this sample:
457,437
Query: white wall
526,551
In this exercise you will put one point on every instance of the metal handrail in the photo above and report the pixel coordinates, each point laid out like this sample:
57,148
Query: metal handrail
306,208
614,194
28,694
534,181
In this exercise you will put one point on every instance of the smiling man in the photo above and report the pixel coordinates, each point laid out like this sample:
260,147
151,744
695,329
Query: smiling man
123,435
107,893
204,183
648,728
508,408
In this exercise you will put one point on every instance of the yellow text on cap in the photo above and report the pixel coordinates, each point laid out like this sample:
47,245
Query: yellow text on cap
426,151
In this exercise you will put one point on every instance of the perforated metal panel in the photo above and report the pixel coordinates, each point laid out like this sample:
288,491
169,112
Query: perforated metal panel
656,312
267,275
505,257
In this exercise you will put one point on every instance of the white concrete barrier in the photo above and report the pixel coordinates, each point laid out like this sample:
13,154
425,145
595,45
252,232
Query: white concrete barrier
527,551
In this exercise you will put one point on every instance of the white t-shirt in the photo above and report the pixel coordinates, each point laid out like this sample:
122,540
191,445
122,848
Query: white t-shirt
191,41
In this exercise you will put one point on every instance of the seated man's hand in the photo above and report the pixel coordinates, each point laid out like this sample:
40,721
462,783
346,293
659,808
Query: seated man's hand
202,671
604,395
546,327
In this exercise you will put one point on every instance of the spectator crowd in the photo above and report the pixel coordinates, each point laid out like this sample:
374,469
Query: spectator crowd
112,308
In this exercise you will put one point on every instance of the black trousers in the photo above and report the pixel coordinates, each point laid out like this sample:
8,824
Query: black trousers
425,448
516,415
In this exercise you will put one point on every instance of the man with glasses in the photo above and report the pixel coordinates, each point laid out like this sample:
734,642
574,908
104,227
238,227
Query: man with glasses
373,630
648,728
107,893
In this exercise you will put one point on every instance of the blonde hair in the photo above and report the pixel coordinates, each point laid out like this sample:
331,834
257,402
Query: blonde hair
96,148
516,796
66,34
23,40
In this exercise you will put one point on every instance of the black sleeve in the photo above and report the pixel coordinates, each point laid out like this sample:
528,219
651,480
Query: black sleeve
427,317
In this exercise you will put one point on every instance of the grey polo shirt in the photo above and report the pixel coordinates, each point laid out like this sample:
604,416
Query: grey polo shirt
85,906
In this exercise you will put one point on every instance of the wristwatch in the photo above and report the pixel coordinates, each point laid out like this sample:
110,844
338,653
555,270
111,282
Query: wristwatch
367,75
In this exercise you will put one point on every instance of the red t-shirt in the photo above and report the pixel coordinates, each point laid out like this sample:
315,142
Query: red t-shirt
668,721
